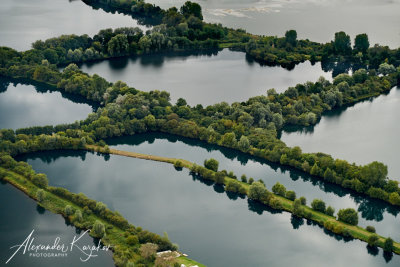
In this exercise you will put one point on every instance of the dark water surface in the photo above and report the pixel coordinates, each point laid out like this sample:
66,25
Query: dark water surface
204,79
23,105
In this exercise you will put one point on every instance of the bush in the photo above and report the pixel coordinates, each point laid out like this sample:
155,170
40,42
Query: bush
68,210
98,229
318,205
388,245
279,189
373,240
178,164
291,195
251,180
40,195
349,216
40,180
276,204
211,164
244,178
370,229
303,201
132,240
78,216
330,211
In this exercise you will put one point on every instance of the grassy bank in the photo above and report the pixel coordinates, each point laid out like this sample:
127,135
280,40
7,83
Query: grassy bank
322,219
115,236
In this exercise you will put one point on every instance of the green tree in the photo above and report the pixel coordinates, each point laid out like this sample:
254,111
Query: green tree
374,174
132,240
330,211
191,9
303,201
68,210
279,189
291,195
40,195
40,180
211,164
118,45
388,245
257,191
373,240
342,43
78,216
386,68
361,43
370,229
349,216
318,205
244,144
291,37
98,229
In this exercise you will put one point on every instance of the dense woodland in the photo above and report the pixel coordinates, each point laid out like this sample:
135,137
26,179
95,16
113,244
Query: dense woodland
251,126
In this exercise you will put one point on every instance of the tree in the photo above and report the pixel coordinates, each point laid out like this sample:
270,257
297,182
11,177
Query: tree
118,45
257,191
191,8
386,68
132,240
318,205
279,189
244,144
291,195
291,37
298,210
349,216
68,210
361,43
211,164
78,216
40,195
98,229
374,174
243,178
330,211
342,43
40,180
303,201
373,240
370,229
388,245
148,250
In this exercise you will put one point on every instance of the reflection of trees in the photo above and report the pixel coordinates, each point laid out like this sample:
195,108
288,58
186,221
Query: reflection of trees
4,83
296,222
374,251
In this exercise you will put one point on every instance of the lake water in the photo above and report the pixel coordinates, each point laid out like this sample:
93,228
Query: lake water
20,215
211,226
315,20
204,79
22,22
362,133
23,105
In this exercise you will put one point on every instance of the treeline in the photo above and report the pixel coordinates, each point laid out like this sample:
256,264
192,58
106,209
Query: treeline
250,126
285,51
282,199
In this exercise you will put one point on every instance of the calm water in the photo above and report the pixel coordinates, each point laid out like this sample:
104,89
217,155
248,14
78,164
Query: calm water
204,79
315,20
363,133
212,227
20,215
24,21
28,105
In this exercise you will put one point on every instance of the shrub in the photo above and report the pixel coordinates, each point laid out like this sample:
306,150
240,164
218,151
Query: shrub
40,180
279,189
303,201
68,210
78,216
388,245
291,195
349,216
211,164
98,229
40,195
370,229
251,180
330,211
276,204
148,250
132,240
178,164
373,240
318,205
244,178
